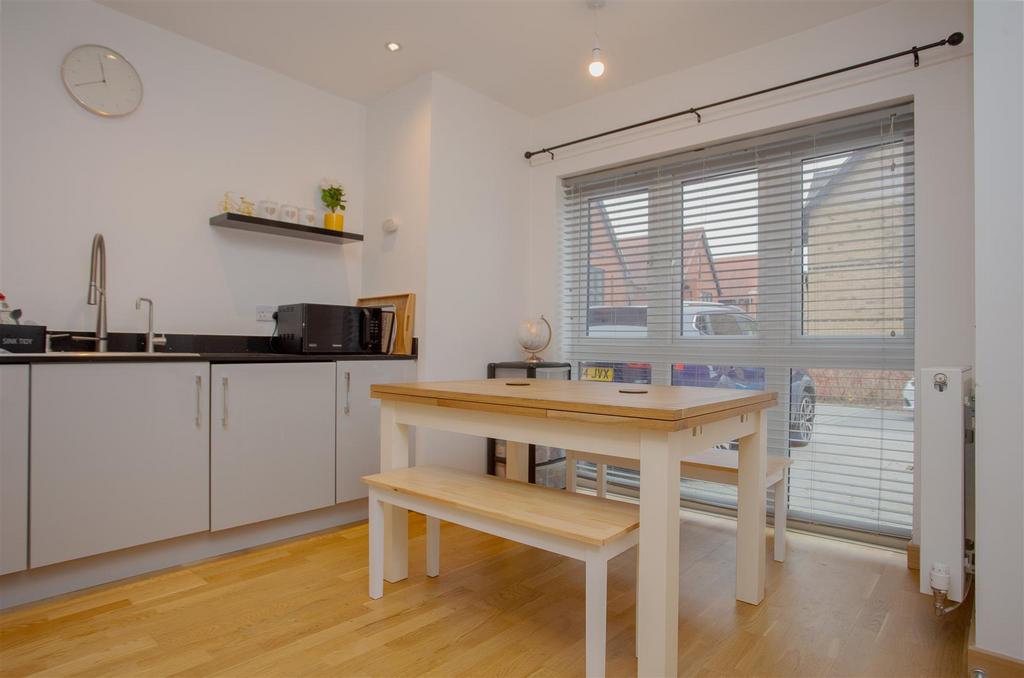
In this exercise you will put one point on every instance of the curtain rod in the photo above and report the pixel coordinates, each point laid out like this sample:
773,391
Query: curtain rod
953,40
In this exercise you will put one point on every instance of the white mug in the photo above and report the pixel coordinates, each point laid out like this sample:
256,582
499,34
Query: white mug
290,213
307,217
268,209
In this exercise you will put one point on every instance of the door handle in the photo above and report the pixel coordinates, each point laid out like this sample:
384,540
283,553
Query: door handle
224,403
348,391
199,401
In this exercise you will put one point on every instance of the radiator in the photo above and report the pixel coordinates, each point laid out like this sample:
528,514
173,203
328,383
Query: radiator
945,403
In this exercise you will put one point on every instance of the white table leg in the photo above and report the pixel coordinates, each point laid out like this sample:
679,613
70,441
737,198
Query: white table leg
781,498
433,546
517,461
597,614
658,575
751,509
376,511
394,453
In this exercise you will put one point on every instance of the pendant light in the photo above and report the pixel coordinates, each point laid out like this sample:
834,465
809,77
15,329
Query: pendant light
596,66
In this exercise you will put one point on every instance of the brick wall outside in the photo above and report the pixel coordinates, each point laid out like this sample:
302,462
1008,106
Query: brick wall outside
861,387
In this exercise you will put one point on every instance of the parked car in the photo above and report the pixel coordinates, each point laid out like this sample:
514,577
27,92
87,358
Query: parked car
700,319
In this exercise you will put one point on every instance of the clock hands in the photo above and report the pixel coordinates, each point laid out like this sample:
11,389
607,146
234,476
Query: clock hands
91,82
103,71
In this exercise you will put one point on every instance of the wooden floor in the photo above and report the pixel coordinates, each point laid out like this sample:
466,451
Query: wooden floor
498,609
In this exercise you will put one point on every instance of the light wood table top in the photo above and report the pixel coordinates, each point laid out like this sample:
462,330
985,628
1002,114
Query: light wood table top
578,517
641,405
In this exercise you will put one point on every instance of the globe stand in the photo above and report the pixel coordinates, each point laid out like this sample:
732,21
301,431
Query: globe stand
534,350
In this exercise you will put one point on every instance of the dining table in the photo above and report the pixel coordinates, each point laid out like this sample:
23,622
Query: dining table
654,424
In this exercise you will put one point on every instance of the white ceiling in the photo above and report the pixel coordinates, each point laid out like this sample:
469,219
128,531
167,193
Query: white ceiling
529,54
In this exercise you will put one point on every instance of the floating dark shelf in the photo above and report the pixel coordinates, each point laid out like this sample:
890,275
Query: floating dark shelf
261,225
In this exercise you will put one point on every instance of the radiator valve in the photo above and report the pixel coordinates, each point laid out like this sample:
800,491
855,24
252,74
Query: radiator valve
939,580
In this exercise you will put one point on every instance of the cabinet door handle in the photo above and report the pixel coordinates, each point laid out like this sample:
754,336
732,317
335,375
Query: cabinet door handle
224,402
348,390
199,401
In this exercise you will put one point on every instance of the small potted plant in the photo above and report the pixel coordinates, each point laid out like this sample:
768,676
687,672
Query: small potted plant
332,193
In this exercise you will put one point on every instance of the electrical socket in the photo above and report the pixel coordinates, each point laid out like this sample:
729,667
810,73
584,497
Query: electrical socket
265,313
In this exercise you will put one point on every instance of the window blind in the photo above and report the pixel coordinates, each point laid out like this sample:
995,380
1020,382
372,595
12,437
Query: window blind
785,262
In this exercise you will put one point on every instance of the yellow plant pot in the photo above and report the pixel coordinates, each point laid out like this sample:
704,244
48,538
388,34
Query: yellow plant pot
334,221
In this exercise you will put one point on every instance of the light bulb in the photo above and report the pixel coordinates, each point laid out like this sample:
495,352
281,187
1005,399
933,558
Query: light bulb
597,66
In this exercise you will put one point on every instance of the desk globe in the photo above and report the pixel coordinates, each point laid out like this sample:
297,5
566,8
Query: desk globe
534,337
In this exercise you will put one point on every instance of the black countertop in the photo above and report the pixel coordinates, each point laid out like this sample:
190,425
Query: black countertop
60,357
212,348
289,358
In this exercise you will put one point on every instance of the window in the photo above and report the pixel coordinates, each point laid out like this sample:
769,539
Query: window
782,262
854,247
596,286
617,246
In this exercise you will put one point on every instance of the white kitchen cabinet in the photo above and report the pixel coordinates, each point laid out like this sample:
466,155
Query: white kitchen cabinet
119,456
272,441
359,420
13,468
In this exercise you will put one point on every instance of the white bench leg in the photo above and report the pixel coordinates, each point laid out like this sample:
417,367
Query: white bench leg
780,496
433,546
376,511
597,614
601,480
570,471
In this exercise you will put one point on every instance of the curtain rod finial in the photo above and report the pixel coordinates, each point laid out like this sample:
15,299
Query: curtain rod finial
955,38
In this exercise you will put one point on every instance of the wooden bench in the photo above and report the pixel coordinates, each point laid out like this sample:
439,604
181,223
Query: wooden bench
716,466
579,526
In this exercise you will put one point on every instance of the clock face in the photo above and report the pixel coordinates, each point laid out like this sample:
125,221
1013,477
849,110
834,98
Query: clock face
101,80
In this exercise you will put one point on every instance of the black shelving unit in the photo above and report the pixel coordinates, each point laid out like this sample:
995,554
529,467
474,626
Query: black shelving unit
244,222
530,370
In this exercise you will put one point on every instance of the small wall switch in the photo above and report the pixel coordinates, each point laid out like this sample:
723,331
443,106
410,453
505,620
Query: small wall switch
265,313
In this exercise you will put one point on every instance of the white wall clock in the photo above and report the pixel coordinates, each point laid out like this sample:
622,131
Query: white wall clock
101,81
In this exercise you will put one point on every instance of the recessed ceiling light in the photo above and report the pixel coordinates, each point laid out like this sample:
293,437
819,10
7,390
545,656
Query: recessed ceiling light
393,46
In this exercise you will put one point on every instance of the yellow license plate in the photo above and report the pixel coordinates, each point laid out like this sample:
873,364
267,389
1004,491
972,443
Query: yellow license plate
598,373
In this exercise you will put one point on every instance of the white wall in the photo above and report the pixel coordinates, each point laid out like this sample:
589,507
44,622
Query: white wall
940,88
150,182
445,162
398,187
999,293
477,257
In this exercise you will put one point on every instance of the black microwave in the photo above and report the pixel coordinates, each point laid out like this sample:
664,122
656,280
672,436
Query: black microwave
322,328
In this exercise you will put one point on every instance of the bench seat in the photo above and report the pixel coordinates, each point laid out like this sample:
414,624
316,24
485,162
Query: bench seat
587,528
715,466
577,517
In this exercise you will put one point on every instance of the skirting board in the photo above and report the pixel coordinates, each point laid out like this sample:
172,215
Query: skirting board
993,664
29,586
913,556
990,664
